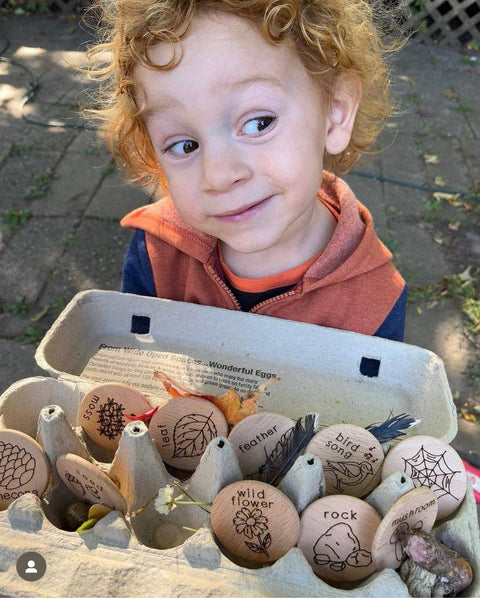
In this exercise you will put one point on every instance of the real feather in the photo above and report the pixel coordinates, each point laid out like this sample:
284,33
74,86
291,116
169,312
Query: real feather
392,428
288,448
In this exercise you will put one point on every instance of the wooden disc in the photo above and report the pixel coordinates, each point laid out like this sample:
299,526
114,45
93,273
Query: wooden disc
255,438
24,467
351,457
430,463
416,510
88,482
183,427
254,521
102,412
336,535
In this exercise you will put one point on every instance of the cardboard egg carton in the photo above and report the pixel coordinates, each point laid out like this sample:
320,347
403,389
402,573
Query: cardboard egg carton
343,376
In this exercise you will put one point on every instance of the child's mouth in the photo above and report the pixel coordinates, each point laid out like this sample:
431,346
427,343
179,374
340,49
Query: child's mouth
244,213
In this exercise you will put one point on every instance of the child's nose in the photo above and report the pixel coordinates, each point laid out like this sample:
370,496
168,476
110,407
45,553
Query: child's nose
223,167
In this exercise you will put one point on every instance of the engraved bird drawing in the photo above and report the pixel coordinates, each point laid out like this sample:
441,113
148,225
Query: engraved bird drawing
348,474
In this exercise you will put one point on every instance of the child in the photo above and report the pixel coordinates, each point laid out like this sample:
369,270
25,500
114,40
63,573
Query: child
230,108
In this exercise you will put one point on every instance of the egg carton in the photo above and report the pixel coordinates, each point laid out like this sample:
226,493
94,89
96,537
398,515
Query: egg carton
147,555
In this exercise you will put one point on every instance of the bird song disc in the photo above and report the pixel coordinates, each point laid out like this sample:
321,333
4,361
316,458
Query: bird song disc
24,467
351,456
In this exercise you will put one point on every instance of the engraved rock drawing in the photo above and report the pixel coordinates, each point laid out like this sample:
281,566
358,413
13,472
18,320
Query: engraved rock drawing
348,474
339,547
17,466
110,419
252,524
191,435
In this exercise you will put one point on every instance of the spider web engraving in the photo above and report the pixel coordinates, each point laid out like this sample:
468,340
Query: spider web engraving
110,419
431,470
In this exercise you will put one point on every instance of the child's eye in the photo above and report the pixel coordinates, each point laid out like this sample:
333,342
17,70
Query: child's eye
257,125
181,148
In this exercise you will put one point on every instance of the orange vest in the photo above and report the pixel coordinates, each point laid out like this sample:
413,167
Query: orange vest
352,285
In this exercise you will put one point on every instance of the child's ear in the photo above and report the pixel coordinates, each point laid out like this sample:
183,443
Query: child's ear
343,110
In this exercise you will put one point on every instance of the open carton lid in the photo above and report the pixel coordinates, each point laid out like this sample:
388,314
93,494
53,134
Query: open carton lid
343,376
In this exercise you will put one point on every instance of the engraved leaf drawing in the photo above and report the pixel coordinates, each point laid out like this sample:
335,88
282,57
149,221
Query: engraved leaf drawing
17,466
267,540
254,547
192,434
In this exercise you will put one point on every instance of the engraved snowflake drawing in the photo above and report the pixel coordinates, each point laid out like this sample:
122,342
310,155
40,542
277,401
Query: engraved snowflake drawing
110,419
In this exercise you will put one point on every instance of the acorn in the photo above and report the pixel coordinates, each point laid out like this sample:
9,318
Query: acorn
98,511
76,514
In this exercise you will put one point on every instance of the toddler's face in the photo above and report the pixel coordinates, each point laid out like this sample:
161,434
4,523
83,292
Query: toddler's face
239,128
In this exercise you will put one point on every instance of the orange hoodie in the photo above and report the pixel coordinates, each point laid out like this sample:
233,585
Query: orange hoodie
352,285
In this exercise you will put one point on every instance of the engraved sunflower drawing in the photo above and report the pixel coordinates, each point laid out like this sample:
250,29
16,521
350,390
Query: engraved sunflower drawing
252,524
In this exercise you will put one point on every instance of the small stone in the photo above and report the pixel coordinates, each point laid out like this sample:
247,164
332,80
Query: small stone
76,514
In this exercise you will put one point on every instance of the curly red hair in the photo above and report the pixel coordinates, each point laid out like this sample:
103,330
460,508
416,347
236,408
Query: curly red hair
332,38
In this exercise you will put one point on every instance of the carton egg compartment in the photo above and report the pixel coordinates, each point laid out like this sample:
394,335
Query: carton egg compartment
138,471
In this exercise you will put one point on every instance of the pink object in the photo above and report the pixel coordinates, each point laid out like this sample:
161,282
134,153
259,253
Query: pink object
473,475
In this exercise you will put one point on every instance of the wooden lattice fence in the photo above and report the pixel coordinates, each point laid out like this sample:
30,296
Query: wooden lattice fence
447,21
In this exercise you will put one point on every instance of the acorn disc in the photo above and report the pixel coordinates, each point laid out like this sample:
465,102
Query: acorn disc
351,456
24,467
254,521
336,536
103,410
430,463
88,482
182,427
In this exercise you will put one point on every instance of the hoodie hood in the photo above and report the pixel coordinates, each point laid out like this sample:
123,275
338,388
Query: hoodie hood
353,250
352,285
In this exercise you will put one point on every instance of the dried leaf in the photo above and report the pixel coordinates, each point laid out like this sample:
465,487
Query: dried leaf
455,226
451,198
449,94
430,159
233,407
40,314
439,181
466,275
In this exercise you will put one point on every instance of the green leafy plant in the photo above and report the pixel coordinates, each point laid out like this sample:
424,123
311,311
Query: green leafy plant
41,186
460,287
433,209
19,149
33,335
15,218
17,308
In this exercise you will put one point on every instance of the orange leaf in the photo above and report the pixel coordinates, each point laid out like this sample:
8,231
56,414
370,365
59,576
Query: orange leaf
233,407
